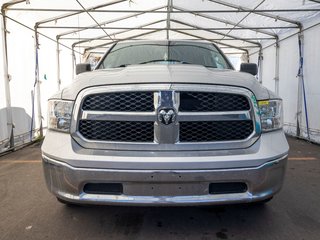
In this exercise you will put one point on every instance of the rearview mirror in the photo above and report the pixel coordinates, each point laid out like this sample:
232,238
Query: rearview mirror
83,67
251,68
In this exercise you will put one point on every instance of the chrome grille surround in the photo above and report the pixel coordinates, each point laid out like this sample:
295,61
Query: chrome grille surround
166,137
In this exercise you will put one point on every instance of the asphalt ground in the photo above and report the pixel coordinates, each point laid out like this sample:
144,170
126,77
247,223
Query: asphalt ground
29,211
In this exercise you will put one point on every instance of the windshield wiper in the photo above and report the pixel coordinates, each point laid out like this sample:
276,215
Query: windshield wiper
121,66
207,66
162,60
173,60
156,60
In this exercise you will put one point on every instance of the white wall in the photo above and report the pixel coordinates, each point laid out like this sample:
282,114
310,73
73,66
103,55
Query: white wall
312,77
21,61
3,113
288,80
21,69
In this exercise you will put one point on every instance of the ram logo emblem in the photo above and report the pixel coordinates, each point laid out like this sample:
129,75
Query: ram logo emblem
167,116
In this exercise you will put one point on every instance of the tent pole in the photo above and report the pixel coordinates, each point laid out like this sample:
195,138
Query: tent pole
7,79
73,61
37,82
277,66
299,107
247,56
260,60
302,98
58,64
169,8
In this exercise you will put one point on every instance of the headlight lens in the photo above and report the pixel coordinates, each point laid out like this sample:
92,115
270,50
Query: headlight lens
59,115
271,114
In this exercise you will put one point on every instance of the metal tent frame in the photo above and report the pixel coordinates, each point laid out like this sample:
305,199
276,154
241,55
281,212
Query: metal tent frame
223,36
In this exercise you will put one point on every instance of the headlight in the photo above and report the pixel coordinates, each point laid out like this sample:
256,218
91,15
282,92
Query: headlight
59,115
271,114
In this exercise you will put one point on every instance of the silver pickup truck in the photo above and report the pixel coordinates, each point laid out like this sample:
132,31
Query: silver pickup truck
164,123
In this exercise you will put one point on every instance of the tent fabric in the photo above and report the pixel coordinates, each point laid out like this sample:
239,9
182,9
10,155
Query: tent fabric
118,17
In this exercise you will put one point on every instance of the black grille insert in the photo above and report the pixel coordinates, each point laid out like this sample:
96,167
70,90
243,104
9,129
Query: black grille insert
212,102
117,131
215,131
120,101
227,187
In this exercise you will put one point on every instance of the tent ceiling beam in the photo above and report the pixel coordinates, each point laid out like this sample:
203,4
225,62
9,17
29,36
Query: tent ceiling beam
211,39
6,6
265,13
257,11
110,21
128,38
87,48
233,53
242,19
212,31
206,39
245,47
144,34
117,33
135,28
33,30
73,13
227,22
98,25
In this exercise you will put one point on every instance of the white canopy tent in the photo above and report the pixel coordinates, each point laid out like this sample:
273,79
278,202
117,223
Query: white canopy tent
42,40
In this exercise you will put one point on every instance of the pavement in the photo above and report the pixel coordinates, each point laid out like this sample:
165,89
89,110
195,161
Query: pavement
29,211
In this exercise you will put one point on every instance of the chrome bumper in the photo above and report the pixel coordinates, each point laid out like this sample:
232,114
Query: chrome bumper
163,187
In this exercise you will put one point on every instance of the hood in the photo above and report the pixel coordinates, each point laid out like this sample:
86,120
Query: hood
156,73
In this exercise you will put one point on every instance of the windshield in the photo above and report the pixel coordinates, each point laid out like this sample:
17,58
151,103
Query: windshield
172,52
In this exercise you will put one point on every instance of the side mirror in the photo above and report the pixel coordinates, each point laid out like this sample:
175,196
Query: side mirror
83,67
251,68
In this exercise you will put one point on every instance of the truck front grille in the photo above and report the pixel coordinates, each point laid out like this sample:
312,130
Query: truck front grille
215,131
120,101
212,102
116,131
166,117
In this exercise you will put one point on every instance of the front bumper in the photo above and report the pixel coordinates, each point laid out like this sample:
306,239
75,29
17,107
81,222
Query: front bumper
163,187
164,178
